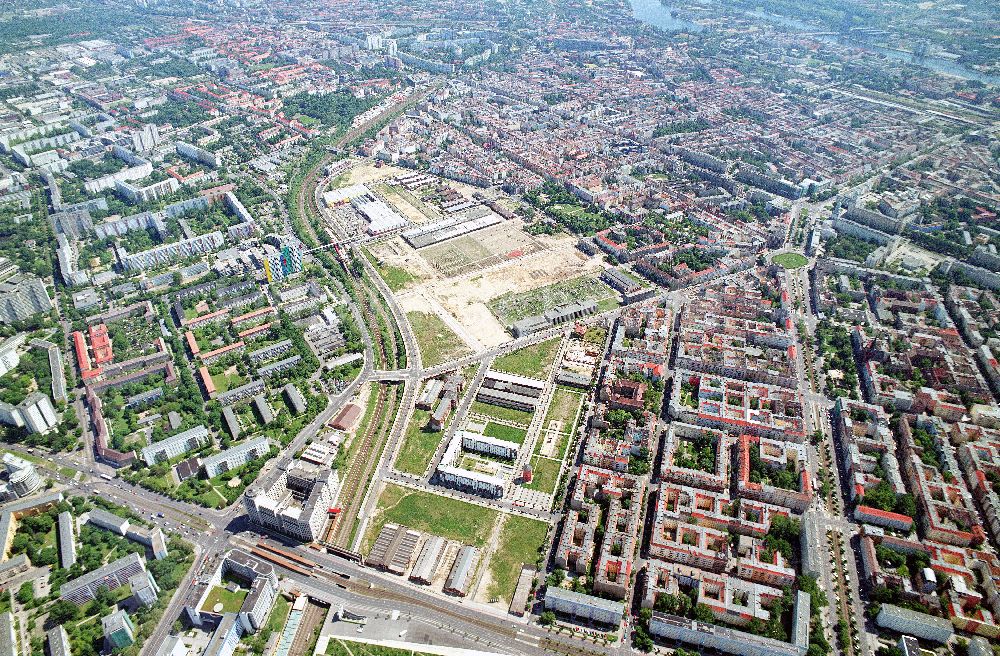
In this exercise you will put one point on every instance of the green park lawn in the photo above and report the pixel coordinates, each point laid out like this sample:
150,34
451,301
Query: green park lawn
503,432
419,444
790,260
545,474
534,360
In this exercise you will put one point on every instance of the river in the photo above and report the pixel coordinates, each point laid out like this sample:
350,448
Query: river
657,14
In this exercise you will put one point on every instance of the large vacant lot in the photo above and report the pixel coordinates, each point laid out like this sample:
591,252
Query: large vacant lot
430,513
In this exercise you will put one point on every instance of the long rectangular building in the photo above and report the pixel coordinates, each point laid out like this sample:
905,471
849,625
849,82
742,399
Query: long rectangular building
510,390
584,606
58,641
175,445
461,572
83,589
8,637
67,543
429,559
235,457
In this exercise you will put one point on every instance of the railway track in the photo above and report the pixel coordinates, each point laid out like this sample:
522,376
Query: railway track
441,609
364,462
359,471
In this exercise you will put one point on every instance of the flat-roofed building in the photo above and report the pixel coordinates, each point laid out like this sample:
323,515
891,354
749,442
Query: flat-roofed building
263,409
236,456
231,422
490,446
720,638
297,504
295,400
8,637
510,390
175,445
67,540
103,519
226,636
485,485
58,641
173,646
145,590
13,567
584,607
119,631
911,622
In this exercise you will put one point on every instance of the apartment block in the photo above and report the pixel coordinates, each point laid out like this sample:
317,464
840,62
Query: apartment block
945,506
175,445
83,589
734,641
22,296
773,471
682,443
867,447
584,607
235,456
737,406
35,414
169,253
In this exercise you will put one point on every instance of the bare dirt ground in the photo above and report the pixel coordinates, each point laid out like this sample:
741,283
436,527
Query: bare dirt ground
460,276
395,252
465,297
366,171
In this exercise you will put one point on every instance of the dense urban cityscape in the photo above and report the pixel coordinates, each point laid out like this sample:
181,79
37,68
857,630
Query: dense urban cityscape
524,327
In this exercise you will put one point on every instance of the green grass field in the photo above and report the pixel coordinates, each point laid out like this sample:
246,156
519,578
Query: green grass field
564,407
340,647
393,276
790,260
521,540
231,601
534,360
430,513
419,445
546,474
500,412
502,432
224,383
438,343
595,335
278,614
